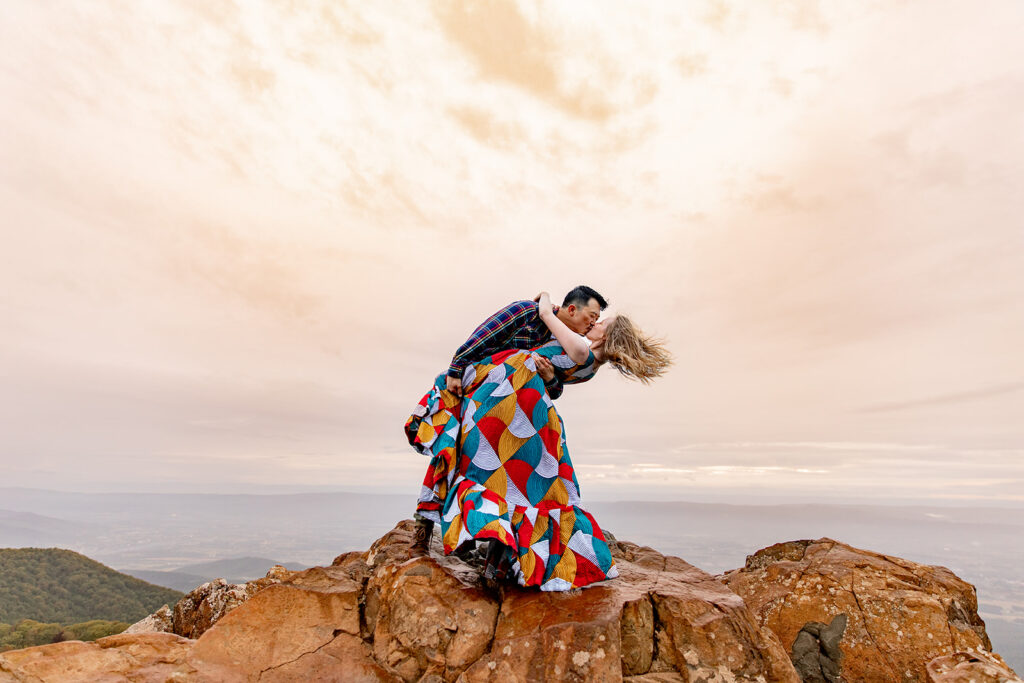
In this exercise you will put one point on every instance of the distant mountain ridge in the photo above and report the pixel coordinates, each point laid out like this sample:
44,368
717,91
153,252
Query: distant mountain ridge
232,570
179,581
55,585
19,528
246,568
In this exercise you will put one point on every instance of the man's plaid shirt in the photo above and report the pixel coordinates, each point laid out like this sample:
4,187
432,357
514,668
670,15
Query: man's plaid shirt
517,326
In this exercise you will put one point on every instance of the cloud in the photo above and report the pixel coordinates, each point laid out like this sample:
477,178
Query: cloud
258,235
486,128
691,65
943,399
804,15
717,14
808,445
535,56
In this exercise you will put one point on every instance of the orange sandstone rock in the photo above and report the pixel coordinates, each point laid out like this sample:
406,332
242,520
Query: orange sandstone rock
142,657
970,667
901,614
378,616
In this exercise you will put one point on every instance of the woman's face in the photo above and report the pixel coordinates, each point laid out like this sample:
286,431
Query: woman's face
600,329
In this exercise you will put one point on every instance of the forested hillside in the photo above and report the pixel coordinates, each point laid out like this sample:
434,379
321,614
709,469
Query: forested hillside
28,633
60,586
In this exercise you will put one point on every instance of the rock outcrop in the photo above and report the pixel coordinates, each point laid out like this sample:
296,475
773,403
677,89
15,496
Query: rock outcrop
970,667
196,612
901,615
201,608
160,621
148,657
379,616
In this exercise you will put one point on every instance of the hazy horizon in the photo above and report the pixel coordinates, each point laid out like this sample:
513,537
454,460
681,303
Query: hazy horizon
145,534
241,239
641,495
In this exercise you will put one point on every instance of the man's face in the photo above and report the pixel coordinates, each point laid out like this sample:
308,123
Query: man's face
582,319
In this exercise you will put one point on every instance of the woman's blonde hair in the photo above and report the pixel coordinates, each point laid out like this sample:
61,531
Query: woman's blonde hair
633,353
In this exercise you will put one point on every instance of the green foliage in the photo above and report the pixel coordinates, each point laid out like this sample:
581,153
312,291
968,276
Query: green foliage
57,586
92,630
29,633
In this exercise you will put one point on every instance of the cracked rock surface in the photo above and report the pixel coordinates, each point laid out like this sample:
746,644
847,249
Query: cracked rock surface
901,615
379,616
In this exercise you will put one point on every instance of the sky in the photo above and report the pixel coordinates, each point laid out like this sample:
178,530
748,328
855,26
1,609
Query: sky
240,239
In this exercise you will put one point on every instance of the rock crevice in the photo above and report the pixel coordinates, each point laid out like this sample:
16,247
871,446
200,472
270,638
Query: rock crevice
864,621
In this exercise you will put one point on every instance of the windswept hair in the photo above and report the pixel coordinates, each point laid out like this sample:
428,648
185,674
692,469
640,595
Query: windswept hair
634,354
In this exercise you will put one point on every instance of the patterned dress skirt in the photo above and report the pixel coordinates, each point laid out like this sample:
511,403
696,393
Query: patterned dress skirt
500,468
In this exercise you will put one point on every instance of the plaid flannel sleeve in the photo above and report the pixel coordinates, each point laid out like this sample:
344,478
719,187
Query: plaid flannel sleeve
554,387
492,333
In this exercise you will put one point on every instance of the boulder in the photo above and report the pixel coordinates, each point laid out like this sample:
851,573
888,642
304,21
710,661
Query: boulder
899,615
141,657
160,621
200,609
970,667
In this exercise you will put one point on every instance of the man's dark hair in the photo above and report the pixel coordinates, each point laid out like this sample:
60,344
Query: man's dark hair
582,295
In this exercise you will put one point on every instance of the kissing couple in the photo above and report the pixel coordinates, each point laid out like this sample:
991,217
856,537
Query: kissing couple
499,467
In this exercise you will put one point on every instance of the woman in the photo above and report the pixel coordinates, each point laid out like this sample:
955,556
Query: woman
500,468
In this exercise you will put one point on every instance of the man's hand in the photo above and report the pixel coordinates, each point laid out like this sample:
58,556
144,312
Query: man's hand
544,368
455,386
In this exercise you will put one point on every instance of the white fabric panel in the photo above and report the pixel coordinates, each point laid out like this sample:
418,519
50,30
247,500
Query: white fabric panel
581,543
513,496
555,585
548,465
485,457
504,389
562,361
521,425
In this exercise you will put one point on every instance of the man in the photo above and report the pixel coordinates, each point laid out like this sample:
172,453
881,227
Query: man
516,326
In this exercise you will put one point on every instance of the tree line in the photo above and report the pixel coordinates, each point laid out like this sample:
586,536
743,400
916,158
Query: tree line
29,633
54,586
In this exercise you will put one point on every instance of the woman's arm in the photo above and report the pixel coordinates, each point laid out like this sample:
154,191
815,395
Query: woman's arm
574,344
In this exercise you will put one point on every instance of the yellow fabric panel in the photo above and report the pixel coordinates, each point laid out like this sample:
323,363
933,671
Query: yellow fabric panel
521,376
557,492
539,528
425,433
527,563
503,535
566,525
508,445
505,409
481,373
452,537
498,482
566,567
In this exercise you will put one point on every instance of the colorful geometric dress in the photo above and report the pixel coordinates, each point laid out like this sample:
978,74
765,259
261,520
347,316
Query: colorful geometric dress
500,468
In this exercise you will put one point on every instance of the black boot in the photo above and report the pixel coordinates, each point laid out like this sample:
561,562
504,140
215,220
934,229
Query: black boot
420,546
495,553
